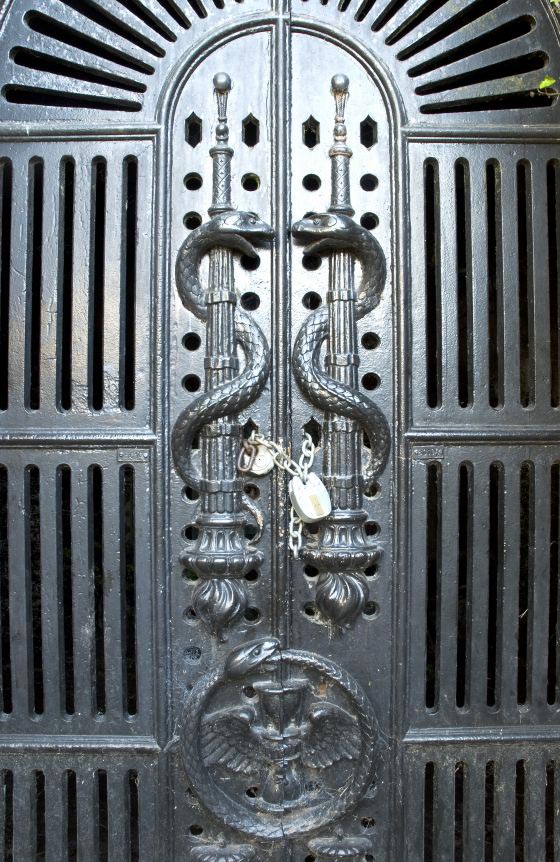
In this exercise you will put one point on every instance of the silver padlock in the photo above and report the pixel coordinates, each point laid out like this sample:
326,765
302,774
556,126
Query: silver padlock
310,499
263,461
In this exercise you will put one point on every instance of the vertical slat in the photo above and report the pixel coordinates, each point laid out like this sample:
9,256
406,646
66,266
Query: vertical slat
448,592
541,591
535,784
112,594
144,312
418,287
112,291
414,809
86,799
81,283
82,595
417,608
444,820
49,284
51,601
504,809
479,228
474,801
479,592
449,308
510,283
510,594
55,810
19,622
119,833
144,582
18,287
540,276
24,815
3,803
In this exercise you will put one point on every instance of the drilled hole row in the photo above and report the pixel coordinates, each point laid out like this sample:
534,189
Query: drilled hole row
312,182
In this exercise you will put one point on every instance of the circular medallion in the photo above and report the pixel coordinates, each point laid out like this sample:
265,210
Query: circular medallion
278,743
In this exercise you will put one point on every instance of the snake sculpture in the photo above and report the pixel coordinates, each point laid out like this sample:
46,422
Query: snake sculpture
275,823
238,231
327,232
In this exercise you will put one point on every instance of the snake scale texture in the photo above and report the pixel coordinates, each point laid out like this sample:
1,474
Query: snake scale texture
237,231
298,822
328,232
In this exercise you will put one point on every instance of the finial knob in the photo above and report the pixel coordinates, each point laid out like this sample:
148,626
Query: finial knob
222,82
340,83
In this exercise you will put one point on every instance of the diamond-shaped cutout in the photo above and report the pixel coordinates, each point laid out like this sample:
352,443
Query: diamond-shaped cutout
368,132
248,429
193,130
310,131
313,428
251,131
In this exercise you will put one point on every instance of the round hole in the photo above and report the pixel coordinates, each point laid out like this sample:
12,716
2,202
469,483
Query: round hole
250,182
191,382
252,615
370,380
367,822
312,529
192,220
190,576
369,221
191,341
190,614
369,182
370,340
371,571
311,182
193,182
369,857
191,532
371,610
253,792
195,829
372,528
250,301
311,262
249,692
311,571
252,576
311,300
250,263
190,494
193,654
309,859
310,610
252,491
372,490
250,531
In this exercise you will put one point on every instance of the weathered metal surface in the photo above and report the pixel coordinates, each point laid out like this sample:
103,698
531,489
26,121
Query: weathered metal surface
108,118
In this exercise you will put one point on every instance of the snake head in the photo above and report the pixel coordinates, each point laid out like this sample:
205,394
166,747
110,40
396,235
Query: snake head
242,231
325,231
251,656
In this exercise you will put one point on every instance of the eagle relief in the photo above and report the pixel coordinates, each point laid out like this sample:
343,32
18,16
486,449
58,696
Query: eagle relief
278,742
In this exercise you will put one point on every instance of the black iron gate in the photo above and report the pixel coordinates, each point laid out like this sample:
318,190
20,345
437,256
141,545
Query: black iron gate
356,292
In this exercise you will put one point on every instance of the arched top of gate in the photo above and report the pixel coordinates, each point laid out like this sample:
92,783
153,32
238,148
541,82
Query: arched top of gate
112,62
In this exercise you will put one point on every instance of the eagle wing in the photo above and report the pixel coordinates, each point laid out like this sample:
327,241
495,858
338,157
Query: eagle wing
334,736
226,740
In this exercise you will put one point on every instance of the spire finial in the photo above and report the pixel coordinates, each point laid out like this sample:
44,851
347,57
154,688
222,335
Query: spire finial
221,153
340,152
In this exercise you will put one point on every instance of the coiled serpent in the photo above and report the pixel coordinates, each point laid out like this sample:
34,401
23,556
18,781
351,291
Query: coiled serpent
335,232
265,654
237,231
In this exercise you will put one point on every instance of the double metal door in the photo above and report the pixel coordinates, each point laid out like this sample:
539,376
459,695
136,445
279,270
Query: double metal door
279,382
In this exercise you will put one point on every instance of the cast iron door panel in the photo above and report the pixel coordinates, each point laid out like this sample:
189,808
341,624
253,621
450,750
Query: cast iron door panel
279,390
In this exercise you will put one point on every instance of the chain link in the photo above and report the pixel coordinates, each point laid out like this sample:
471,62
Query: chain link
300,468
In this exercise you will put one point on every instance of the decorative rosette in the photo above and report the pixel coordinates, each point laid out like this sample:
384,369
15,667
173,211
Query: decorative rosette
353,849
223,853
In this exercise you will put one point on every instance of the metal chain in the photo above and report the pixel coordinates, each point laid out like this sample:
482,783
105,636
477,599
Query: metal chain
284,462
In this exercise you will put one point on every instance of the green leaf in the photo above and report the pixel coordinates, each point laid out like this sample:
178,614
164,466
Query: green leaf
547,82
